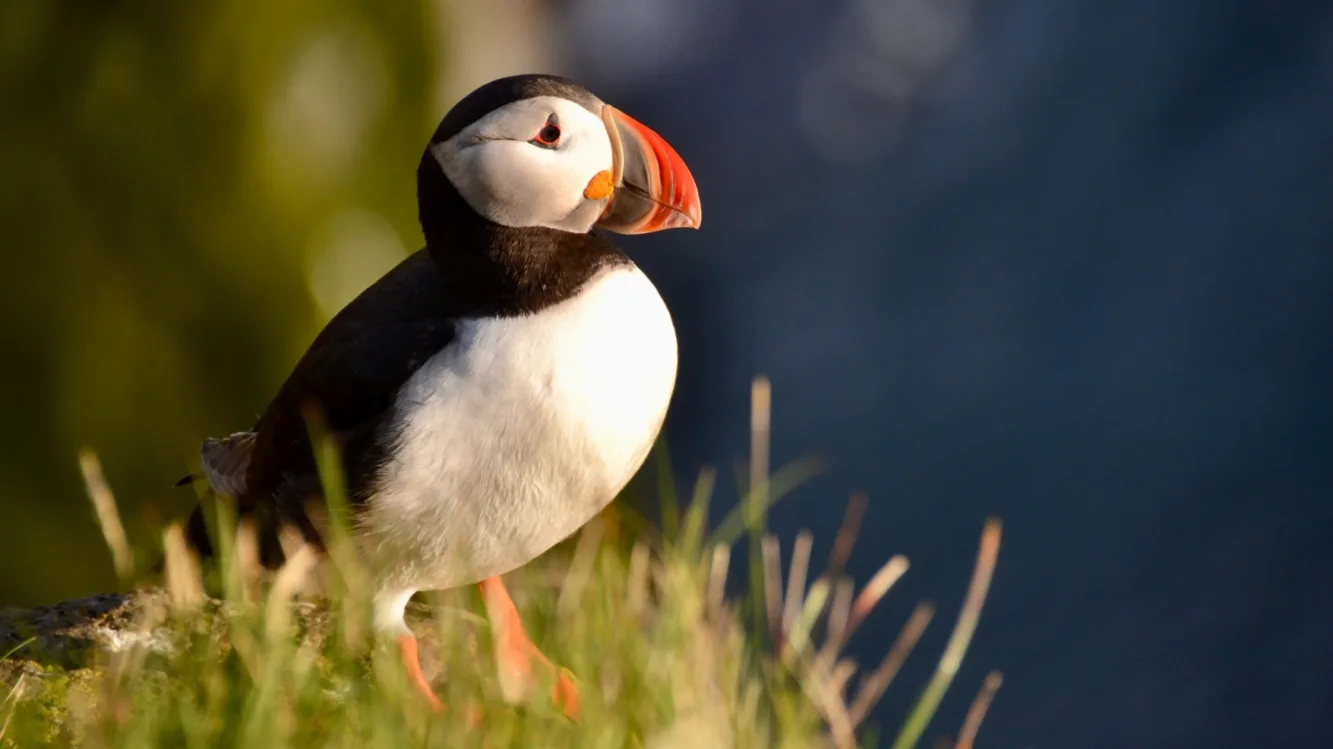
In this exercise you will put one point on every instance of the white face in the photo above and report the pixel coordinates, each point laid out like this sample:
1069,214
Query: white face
511,170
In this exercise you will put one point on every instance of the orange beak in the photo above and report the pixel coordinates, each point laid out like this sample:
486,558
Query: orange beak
653,188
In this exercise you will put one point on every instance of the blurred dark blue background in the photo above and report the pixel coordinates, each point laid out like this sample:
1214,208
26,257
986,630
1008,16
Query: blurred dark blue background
1071,265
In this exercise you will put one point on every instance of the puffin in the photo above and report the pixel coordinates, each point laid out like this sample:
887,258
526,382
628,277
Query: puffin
498,388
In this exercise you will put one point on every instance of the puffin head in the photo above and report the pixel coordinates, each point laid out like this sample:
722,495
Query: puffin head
542,151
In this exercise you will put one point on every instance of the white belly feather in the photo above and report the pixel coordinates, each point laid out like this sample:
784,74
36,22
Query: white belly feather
520,432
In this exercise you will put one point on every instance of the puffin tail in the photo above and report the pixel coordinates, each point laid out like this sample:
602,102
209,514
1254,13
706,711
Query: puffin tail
224,464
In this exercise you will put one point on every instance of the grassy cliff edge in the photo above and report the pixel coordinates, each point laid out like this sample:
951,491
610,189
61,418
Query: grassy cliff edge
287,659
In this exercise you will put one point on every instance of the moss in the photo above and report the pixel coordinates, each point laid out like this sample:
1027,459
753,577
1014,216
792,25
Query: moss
43,697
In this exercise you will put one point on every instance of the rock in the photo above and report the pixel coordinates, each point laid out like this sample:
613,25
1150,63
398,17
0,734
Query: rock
67,634
71,635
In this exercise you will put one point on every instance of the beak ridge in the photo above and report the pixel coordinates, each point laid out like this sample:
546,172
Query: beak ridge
654,189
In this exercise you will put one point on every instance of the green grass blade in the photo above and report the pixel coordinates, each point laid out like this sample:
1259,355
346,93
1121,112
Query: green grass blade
666,488
926,705
18,647
778,486
695,525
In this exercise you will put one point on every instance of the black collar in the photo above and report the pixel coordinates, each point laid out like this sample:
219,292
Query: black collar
491,270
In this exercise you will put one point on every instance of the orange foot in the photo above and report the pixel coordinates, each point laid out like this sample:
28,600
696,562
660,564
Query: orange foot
514,652
407,648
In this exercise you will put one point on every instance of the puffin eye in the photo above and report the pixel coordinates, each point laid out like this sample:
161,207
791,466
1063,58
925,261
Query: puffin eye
549,135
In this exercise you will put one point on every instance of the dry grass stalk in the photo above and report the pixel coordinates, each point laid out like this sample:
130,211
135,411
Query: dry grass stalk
761,413
798,634
761,420
834,710
872,688
717,579
246,569
287,584
184,583
800,566
703,489
108,518
976,597
842,673
772,586
637,578
841,603
580,568
837,620
847,533
967,735
290,540
890,573
183,578
245,573
963,630
12,699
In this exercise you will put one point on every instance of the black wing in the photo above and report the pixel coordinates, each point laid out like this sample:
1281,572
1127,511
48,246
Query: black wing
351,373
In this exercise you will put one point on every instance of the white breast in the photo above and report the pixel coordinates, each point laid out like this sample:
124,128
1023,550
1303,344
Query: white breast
521,431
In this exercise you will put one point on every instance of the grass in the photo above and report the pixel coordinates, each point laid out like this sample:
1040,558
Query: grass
663,659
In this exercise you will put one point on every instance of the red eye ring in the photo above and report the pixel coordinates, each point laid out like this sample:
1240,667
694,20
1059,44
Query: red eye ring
549,135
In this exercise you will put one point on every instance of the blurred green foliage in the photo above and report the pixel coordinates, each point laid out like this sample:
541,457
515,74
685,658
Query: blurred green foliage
187,191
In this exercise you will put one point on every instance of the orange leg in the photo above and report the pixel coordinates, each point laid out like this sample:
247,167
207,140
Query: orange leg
407,647
514,651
